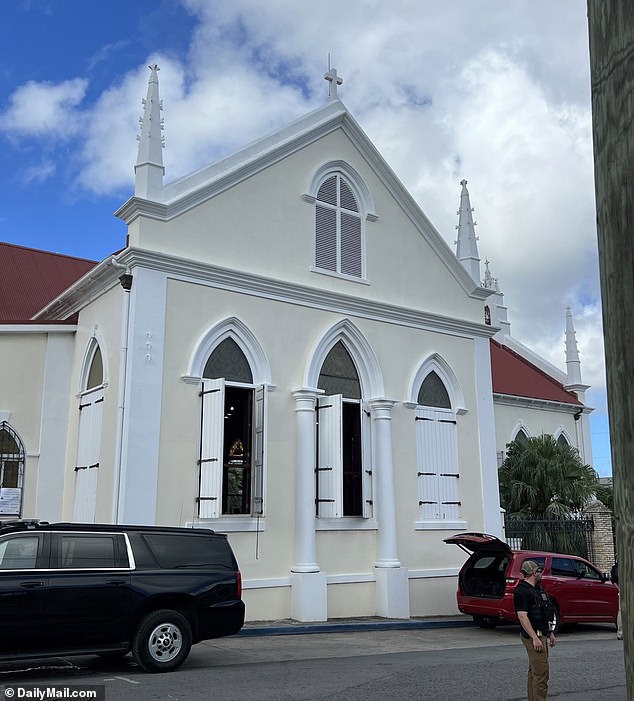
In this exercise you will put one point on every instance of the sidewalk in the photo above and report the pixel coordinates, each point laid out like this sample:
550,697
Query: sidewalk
344,625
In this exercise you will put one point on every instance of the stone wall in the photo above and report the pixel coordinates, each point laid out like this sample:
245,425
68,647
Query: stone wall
601,544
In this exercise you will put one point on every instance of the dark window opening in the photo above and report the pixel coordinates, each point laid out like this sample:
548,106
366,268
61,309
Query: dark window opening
236,473
352,463
433,393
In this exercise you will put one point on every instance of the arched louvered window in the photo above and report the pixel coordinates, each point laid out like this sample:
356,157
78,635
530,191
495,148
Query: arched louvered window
520,436
338,228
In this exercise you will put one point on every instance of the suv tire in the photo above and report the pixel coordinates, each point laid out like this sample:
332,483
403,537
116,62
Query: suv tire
162,641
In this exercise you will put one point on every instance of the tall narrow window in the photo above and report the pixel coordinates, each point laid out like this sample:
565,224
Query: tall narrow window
11,471
338,228
232,447
343,478
437,452
89,440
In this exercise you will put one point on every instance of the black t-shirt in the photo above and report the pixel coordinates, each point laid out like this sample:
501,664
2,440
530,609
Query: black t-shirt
531,599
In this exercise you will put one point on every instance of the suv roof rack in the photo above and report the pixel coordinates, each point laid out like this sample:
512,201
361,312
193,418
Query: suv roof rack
22,523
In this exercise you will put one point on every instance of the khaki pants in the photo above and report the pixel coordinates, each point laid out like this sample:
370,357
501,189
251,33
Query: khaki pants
537,670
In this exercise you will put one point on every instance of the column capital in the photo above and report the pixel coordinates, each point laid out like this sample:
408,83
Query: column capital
305,398
381,408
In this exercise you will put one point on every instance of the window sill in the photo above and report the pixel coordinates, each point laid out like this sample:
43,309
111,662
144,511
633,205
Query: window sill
230,524
441,525
341,276
347,523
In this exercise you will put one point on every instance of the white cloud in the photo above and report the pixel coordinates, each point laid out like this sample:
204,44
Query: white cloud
45,109
497,93
39,173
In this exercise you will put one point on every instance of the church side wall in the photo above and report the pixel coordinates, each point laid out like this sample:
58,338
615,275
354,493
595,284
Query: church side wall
100,319
510,418
21,386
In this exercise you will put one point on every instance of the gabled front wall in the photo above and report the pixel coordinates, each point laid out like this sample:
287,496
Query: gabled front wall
264,226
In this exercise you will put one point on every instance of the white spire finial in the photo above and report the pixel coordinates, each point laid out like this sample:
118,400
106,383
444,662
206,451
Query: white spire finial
573,364
149,168
333,81
467,246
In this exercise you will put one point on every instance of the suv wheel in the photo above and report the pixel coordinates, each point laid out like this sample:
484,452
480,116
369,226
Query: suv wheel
162,641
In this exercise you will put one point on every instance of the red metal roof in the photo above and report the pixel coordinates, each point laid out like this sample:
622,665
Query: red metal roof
30,279
512,374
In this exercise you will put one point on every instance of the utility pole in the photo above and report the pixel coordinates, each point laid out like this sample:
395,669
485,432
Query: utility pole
611,25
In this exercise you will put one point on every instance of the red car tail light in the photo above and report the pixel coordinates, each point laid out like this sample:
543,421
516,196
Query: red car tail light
510,581
239,583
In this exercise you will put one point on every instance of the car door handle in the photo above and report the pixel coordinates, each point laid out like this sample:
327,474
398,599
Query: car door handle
117,582
31,585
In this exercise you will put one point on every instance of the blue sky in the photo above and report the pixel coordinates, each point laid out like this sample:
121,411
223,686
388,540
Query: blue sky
497,93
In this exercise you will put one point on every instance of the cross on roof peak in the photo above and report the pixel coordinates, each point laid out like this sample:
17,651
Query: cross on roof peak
334,80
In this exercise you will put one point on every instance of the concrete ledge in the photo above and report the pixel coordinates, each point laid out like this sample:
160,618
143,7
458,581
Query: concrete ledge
351,625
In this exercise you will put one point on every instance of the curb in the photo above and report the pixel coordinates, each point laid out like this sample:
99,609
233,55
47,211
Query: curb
308,628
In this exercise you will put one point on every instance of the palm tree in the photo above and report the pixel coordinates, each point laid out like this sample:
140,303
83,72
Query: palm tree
543,480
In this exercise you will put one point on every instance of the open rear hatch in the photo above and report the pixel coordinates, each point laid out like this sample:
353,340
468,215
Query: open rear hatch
481,543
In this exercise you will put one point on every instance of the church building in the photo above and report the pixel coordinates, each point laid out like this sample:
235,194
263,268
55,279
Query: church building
287,351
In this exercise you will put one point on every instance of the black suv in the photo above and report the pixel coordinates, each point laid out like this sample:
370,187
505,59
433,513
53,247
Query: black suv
76,589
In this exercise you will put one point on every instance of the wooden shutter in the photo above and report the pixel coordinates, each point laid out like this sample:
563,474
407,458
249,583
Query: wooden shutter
437,459
259,435
88,451
211,445
325,238
367,464
351,245
329,457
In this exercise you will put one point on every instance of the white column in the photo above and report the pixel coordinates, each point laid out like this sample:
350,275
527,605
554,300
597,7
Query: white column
486,427
392,582
308,585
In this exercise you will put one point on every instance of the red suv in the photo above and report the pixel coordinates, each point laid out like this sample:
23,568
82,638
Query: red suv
487,580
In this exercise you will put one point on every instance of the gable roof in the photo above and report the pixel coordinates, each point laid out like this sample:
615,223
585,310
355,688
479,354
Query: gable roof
30,279
514,375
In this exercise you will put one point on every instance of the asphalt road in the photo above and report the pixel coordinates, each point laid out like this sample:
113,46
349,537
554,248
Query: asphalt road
441,664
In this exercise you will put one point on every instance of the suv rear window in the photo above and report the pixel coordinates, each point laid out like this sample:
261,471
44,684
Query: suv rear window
173,550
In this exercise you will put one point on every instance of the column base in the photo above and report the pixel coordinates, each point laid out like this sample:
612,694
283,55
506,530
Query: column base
309,598
392,592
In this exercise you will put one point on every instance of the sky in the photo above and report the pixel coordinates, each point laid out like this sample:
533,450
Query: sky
495,92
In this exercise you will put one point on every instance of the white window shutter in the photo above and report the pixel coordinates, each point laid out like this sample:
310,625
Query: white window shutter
88,451
367,464
428,496
325,238
351,253
259,434
449,475
437,458
329,457
211,444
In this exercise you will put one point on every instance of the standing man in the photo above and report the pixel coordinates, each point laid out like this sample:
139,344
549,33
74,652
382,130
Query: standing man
534,611
614,576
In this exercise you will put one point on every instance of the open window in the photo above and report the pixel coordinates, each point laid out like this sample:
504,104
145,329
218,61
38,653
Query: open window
232,436
343,473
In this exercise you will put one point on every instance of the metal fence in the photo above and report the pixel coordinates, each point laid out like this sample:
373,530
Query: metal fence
570,536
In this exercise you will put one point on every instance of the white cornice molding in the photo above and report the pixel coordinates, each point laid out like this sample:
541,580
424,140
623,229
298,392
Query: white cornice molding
280,290
87,289
543,404
38,328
